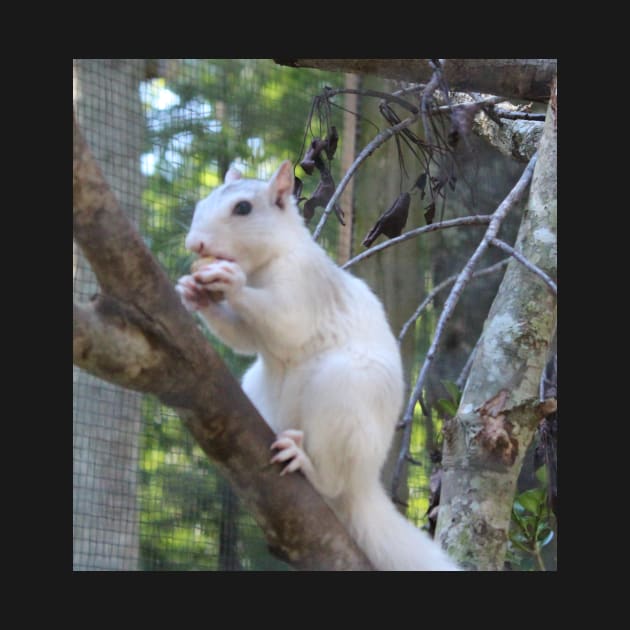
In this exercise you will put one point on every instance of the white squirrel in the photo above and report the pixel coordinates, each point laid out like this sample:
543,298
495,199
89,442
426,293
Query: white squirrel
328,378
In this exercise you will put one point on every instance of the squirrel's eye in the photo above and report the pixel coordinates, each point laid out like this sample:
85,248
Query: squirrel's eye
242,208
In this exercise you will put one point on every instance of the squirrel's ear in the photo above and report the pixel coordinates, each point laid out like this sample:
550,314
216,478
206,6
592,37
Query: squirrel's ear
232,175
281,184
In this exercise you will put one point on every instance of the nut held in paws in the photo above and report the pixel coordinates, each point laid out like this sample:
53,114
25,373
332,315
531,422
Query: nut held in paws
200,263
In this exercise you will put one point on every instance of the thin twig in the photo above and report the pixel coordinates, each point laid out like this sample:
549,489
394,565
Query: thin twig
539,561
418,87
491,100
463,278
502,245
427,93
475,219
393,98
505,113
382,137
443,285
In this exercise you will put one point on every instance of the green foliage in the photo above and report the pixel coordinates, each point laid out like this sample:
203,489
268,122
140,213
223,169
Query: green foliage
449,406
178,495
418,475
532,527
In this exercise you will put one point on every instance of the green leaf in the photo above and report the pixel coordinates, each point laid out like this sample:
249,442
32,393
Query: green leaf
525,524
532,500
518,508
521,544
541,475
453,391
446,406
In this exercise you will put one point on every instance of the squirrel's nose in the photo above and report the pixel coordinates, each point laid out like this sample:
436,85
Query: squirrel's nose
194,243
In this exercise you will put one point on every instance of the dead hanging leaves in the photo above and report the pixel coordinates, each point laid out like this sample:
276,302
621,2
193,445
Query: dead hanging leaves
446,126
392,221
326,187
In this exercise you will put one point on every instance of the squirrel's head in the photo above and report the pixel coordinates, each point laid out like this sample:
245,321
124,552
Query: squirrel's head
246,220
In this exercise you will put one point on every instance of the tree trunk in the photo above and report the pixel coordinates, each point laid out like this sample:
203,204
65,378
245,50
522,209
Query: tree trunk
500,409
527,79
107,418
348,154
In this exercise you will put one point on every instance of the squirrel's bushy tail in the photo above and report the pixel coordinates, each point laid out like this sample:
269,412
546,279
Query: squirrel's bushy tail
389,540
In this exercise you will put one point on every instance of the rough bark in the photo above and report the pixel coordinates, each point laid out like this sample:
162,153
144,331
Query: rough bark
138,335
517,139
527,79
500,408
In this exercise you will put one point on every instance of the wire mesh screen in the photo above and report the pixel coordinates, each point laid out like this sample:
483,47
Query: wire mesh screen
107,421
165,132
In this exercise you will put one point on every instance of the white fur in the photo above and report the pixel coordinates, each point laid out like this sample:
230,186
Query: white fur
328,378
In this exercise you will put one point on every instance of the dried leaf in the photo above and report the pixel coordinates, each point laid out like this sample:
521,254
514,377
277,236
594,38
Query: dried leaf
421,183
326,187
430,213
308,211
331,142
391,222
312,158
320,198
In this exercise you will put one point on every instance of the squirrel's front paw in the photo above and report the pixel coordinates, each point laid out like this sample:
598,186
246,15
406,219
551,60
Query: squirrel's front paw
193,295
289,447
221,276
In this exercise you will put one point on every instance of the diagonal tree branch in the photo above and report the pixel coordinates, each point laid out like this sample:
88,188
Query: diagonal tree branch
515,195
138,335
